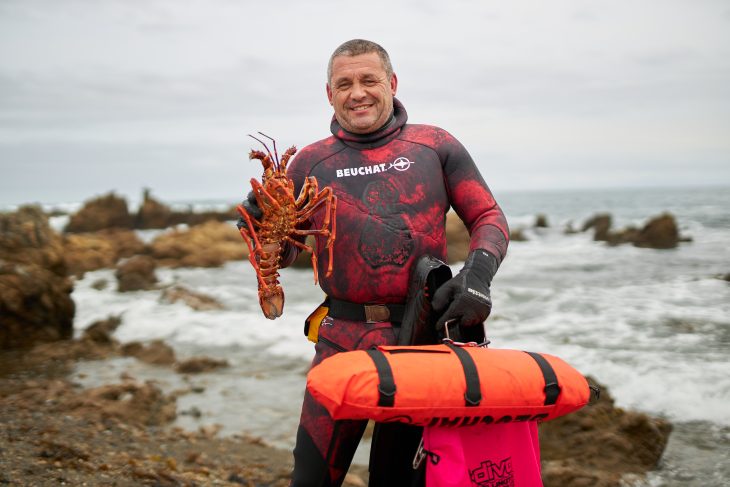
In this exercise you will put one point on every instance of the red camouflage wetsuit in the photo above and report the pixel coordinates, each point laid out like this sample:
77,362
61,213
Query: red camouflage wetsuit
394,188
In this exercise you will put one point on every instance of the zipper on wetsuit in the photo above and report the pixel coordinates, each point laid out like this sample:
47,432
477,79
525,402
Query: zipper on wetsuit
332,344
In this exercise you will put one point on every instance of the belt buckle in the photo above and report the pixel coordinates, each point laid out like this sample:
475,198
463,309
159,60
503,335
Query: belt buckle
376,313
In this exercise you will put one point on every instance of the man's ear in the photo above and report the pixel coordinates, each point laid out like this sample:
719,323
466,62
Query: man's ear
329,94
393,84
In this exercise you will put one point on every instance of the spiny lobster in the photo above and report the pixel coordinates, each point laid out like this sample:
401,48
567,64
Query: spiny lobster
281,213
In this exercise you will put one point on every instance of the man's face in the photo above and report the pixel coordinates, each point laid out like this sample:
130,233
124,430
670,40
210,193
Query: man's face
361,93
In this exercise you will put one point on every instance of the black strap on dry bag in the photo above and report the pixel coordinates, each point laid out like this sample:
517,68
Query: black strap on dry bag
387,386
473,394
552,389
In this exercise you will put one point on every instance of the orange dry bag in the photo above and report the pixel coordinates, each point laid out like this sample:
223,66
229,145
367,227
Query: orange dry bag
447,385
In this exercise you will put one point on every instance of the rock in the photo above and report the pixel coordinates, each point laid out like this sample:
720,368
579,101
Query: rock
96,343
516,235
152,214
99,284
601,223
109,211
208,245
86,252
71,350
541,221
659,233
206,216
726,277
457,238
35,301
199,302
157,352
101,331
137,274
195,365
627,235
209,430
129,401
597,445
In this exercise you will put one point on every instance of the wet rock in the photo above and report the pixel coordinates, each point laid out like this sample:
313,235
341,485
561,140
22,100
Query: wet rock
157,352
197,301
137,274
541,221
71,351
627,235
457,238
191,218
660,233
601,223
517,235
86,252
35,301
101,331
129,401
209,430
195,365
99,284
152,214
208,245
108,211
599,444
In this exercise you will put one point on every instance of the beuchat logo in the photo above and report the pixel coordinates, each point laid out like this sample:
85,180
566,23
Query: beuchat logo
400,164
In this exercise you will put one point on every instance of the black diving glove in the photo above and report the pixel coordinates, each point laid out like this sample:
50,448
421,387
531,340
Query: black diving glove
252,208
468,292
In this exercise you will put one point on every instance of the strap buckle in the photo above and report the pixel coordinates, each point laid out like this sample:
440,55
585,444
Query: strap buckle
376,313
484,344
420,455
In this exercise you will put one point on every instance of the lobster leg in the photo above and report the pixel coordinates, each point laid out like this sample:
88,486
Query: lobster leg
260,192
311,252
328,197
251,258
242,211
282,190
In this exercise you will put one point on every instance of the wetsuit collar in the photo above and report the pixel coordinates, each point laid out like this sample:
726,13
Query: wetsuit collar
380,137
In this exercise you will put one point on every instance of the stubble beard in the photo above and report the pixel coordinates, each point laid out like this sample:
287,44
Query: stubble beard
367,127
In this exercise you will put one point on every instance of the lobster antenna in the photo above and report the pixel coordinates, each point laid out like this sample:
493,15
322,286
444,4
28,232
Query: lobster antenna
267,149
276,154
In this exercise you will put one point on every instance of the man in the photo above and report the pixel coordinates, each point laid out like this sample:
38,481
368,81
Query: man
394,184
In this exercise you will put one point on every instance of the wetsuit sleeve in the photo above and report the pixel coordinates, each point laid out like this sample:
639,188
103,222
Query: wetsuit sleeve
472,200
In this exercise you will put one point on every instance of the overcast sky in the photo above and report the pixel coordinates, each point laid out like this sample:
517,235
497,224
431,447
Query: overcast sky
103,94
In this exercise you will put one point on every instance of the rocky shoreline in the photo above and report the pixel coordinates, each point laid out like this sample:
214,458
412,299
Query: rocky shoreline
54,432
120,432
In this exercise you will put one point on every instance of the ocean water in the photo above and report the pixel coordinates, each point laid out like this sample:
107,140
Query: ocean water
653,325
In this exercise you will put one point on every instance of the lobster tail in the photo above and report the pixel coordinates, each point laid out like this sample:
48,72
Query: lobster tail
271,297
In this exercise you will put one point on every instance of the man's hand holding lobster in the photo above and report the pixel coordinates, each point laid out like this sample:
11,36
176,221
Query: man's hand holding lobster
268,219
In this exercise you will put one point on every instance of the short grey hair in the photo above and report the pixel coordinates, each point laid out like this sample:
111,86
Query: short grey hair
356,47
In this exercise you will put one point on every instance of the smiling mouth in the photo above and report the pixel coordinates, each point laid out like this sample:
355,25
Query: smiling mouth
357,109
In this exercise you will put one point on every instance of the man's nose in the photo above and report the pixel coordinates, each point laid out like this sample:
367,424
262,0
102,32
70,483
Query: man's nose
358,91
